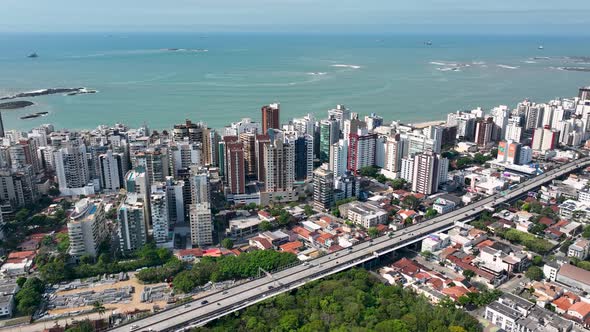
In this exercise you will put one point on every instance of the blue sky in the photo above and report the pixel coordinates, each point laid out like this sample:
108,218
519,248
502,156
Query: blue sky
543,16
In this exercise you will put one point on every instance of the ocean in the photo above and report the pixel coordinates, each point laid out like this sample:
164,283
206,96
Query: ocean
163,79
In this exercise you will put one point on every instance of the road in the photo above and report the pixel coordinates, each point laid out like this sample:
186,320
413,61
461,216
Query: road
216,305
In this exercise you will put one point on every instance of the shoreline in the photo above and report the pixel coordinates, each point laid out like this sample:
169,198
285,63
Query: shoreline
425,124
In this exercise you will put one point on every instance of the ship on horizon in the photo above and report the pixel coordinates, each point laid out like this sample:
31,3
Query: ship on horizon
33,55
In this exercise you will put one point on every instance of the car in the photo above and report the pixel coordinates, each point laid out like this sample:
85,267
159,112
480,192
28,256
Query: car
218,303
224,292
187,305
133,327
204,302
270,287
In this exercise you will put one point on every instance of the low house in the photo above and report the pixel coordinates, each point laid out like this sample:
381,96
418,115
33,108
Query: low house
189,255
18,263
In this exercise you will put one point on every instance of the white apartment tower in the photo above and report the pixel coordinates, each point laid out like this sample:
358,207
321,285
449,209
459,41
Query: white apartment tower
201,224
279,165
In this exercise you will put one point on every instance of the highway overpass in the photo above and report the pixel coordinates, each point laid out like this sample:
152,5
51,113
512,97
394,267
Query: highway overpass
223,302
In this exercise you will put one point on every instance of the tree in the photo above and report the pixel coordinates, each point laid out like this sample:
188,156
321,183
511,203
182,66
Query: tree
54,271
427,254
534,273
98,307
53,191
227,243
20,281
83,326
538,261
265,226
398,184
586,232
308,210
410,202
86,259
373,232
29,296
369,171
111,214
21,215
430,213
468,274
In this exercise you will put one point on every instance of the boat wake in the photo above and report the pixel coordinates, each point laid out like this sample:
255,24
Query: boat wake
346,66
507,67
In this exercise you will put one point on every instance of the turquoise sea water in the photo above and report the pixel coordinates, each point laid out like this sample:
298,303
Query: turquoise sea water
398,77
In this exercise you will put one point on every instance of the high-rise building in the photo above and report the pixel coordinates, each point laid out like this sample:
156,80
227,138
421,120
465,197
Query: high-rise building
483,131
426,173
407,169
303,156
160,214
23,153
201,224
346,186
393,156
246,125
71,166
183,155
279,166
249,141
270,117
18,188
200,186
545,139
234,161
329,134
175,200
339,158
533,115
323,188
132,225
305,125
155,162
87,228
361,150
261,142
111,171
373,121
509,152
513,130
195,133
352,126
500,115
584,93
340,114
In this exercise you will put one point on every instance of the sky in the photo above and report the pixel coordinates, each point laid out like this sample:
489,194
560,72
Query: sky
529,16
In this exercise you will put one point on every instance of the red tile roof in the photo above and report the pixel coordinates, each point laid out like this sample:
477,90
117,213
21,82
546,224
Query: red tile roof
197,252
291,246
301,232
562,303
436,283
546,221
582,308
326,219
262,241
485,243
20,256
455,292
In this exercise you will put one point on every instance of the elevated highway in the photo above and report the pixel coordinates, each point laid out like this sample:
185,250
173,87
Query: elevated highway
221,303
